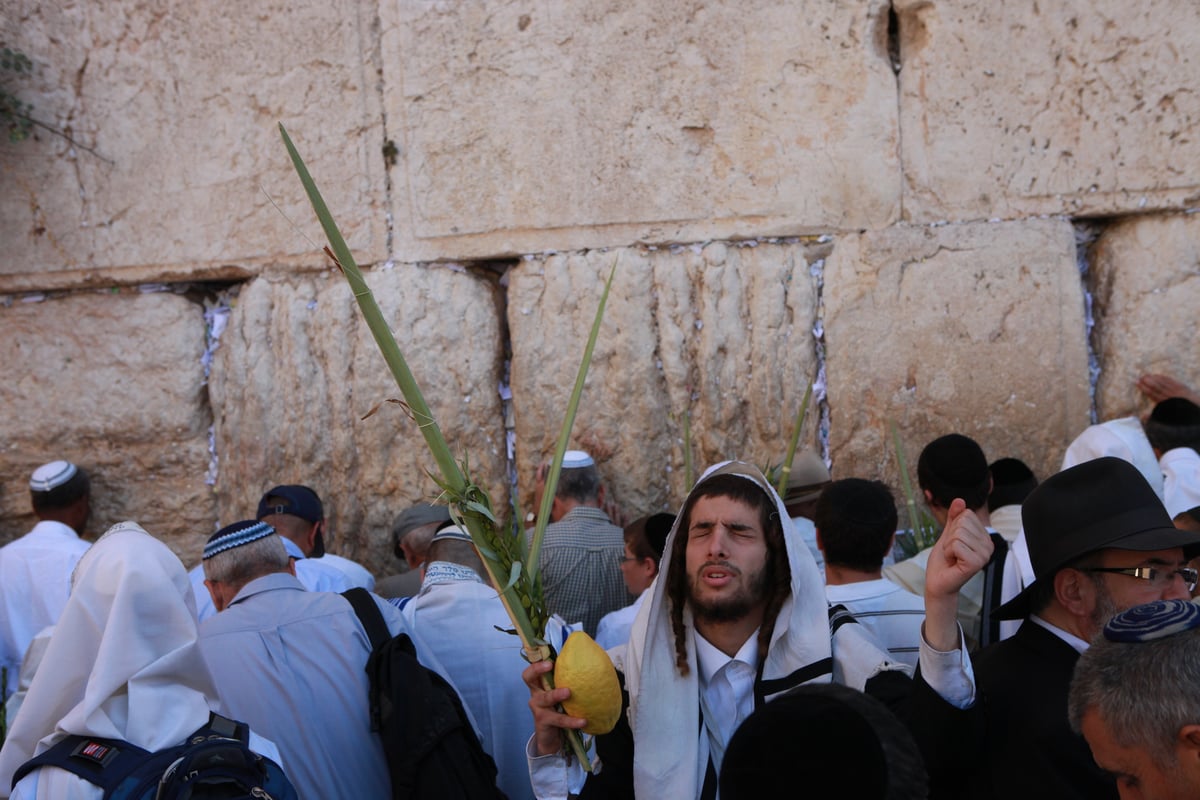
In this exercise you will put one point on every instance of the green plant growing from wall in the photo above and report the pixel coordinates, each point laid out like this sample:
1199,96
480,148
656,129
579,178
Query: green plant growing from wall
15,113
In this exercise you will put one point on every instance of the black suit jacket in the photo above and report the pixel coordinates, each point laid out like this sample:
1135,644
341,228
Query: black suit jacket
1030,750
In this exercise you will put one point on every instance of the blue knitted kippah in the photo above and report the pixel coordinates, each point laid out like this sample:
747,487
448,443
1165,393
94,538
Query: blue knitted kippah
236,535
1157,620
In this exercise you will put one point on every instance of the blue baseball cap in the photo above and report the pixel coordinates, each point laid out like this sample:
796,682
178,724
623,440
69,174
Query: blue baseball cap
299,501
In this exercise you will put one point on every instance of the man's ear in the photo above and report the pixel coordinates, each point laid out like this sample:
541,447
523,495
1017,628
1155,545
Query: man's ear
600,493
1075,592
929,501
1189,739
820,541
217,592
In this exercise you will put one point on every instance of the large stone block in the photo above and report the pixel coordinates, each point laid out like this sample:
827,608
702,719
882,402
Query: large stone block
113,382
1072,106
174,107
976,329
720,332
1146,279
584,124
297,371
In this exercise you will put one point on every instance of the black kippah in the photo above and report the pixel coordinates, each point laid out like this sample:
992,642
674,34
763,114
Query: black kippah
1176,411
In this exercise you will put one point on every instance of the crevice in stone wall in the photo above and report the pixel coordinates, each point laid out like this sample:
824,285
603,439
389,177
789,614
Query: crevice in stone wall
1086,234
815,255
496,273
389,149
216,299
895,60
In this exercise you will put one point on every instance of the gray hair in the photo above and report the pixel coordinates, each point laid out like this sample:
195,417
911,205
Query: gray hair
458,552
581,484
240,565
1144,692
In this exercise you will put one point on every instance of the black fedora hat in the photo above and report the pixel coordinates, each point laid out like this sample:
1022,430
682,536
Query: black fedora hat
1091,506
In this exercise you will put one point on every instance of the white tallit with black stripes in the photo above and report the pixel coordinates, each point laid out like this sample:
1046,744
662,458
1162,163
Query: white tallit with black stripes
664,708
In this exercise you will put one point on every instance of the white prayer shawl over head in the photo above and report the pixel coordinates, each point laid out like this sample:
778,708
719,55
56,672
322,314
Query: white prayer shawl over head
122,662
664,705
1124,438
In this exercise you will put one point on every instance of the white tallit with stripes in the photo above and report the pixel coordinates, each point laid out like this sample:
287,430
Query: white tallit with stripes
664,708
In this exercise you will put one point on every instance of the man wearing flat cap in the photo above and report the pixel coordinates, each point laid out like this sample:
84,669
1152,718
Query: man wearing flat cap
1100,542
412,533
807,478
35,570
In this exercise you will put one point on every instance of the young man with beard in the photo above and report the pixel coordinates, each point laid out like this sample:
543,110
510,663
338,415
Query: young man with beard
737,617
1100,542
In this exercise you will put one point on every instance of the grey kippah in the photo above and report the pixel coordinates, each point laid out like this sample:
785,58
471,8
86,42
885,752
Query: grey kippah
236,535
1157,620
52,475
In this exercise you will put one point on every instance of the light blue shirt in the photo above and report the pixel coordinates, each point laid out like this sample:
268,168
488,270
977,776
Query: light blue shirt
290,663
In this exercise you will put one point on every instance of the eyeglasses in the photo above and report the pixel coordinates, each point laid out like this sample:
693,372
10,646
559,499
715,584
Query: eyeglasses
1158,578
627,559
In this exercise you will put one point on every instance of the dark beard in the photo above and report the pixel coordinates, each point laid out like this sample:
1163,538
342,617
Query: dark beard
1106,607
729,609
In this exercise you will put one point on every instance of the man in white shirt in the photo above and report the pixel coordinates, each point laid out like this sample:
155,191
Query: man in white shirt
737,617
35,570
1173,430
856,527
459,627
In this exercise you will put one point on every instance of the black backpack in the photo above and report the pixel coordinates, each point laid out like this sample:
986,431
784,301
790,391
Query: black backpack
432,749
215,763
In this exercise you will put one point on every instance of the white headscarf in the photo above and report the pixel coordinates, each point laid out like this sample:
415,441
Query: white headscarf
122,663
664,709
1124,438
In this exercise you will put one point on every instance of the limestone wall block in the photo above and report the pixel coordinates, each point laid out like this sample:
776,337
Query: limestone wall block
719,331
297,370
579,125
1146,279
178,106
1080,107
976,329
114,383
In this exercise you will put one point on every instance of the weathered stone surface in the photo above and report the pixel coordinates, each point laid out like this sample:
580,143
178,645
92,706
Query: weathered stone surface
1071,106
577,125
114,383
1146,290
297,370
179,102
720,331
976,329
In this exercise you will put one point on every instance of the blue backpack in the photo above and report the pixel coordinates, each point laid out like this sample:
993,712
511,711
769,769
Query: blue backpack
215,763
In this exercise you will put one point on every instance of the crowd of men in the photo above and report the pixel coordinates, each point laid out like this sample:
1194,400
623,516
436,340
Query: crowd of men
1045,645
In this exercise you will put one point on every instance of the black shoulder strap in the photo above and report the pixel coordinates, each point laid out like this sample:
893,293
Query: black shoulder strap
993,586
369,615
103,762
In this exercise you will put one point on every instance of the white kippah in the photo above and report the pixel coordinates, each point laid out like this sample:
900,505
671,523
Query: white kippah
52,475
576,459
451,532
